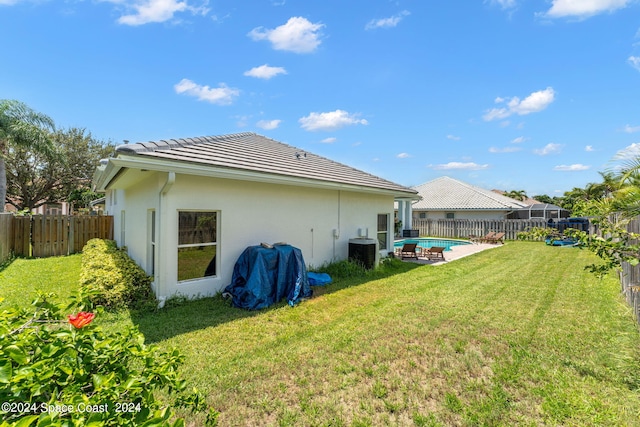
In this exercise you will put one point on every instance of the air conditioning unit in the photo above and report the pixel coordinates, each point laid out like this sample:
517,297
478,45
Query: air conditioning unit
363,251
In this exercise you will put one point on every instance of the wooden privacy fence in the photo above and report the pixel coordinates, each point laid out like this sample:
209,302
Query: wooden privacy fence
6,236
50,235
630,276
463,228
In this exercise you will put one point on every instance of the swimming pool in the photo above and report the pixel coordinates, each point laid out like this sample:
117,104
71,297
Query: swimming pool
428,242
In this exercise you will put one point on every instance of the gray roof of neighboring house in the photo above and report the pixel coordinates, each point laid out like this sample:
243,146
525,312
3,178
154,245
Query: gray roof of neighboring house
256,153
448,194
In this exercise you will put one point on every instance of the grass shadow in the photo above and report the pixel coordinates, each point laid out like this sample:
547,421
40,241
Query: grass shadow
180,317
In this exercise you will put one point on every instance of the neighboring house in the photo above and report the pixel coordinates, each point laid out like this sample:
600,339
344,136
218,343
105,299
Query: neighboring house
535,209
448,198
187,208
61,208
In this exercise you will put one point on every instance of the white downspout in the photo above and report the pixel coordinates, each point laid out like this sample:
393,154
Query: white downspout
161,286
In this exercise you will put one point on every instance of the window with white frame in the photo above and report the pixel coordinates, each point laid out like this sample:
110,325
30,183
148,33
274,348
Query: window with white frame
383,231
197,244
53,209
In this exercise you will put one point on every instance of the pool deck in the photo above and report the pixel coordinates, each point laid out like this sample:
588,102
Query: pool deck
456,252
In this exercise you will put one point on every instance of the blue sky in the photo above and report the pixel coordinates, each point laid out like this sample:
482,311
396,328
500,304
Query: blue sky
532,95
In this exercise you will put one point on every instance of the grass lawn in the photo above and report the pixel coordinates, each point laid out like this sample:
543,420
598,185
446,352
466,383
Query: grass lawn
18,282
518,335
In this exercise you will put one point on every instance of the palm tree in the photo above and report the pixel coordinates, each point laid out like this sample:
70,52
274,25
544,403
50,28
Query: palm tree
21,126
517,194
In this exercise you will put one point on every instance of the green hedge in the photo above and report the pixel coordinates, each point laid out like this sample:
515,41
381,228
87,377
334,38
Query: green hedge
113,278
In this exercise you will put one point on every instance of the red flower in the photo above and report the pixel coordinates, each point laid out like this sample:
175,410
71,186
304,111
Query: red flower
81,319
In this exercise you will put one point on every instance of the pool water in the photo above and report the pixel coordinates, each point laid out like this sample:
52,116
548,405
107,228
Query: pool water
430,242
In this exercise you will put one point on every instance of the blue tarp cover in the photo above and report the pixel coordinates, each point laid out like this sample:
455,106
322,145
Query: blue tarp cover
264,276
561,242
318,279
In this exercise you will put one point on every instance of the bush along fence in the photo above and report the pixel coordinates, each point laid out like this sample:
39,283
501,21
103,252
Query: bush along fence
50,235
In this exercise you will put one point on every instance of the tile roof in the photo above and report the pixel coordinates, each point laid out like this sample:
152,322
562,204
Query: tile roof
446,193
256,153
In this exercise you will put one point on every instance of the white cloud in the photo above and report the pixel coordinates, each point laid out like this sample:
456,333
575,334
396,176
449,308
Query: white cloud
629,152
518,140
242,121
504,150
572,168
453,137
222,95
298,35
548,149
265,72
634,61
583,8
149,11
533,103
459,165
631,129
589,148
329,140
505,4
387,22
268,124
404,155
330,121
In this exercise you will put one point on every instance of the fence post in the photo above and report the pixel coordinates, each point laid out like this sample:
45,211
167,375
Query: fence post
71,237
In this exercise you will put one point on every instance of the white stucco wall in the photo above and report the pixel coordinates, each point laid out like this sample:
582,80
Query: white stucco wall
461,214
249,213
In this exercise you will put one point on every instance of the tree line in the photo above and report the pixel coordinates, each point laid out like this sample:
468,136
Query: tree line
40,164
575,199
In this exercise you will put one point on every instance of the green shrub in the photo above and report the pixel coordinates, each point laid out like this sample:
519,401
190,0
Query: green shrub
537,233
58,370
114,278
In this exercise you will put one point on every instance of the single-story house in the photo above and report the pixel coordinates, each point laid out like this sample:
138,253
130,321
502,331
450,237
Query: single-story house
448,198
187,208
61,208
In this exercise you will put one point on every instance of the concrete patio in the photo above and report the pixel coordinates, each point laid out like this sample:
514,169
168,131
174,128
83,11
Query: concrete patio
455,253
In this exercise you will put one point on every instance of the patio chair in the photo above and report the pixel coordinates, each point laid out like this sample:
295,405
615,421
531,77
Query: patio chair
409,250
496,238
435,252
485,238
